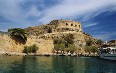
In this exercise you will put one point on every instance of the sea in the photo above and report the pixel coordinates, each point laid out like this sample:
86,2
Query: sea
55,64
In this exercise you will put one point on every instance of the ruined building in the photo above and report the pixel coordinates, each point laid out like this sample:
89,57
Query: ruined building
65,25
58,29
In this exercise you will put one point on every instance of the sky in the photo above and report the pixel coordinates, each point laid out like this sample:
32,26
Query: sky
98,17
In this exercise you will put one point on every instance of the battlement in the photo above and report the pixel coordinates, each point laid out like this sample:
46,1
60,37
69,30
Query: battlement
56,21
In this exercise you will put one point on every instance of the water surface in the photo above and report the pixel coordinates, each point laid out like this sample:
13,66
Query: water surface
55,64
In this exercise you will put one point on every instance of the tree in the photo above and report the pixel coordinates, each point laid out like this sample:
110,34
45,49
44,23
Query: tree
30,49
58,41
18,34
34,48
72,48
65,44
25,49
69,38
99,42
92,49
89,42
58,44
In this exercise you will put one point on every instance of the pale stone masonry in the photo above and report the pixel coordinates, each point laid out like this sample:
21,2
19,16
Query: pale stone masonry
61,25
61,28
9,45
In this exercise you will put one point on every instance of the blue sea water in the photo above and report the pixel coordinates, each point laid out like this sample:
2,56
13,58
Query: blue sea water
55,64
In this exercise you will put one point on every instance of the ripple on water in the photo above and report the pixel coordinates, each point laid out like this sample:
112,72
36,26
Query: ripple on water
55,64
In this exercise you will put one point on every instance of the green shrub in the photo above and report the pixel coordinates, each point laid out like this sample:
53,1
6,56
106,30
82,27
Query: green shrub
59,46
65,44
34,48
91,49
30,49
89,42
71,47
69,38
26,50
99,42
58,41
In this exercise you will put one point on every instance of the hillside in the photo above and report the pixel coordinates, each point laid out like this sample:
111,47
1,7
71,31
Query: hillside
59,29
52,36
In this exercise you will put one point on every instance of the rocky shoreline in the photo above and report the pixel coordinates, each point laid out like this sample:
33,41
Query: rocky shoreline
48,54
12,53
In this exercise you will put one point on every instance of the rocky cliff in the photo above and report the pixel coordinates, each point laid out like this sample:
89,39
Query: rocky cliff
7,44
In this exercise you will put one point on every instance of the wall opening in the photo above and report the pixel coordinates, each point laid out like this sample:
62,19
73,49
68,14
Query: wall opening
71,24
79,26
66,24
49,30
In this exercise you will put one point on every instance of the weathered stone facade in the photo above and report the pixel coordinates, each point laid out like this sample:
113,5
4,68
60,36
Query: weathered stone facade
66,25
61,28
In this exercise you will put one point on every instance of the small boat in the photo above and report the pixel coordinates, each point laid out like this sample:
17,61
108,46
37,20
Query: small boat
107,53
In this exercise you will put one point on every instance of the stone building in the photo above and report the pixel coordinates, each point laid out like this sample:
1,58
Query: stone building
65,25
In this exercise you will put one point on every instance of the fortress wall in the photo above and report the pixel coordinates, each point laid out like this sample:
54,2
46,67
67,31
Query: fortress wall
79,38
9,45
58,34
67,24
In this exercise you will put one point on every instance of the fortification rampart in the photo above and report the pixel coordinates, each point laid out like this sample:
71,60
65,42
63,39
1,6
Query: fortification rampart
7,44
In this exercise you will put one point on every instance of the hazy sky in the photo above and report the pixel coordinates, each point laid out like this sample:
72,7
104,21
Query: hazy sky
98,17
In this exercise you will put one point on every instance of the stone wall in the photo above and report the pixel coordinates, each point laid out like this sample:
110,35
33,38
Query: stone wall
72,25
55,26
9,45
79,37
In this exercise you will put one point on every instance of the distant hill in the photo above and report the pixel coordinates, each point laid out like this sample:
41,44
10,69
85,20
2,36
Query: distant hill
112,42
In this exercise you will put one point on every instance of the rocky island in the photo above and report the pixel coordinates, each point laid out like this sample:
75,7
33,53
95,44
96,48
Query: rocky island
58,36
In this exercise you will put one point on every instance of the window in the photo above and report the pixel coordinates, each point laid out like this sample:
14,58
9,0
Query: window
79,26
66,24
75,25
71,24
49,30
